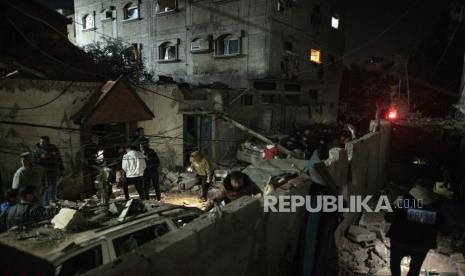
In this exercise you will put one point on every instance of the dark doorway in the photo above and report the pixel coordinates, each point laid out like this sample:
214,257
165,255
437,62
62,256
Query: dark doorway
110,135
197,134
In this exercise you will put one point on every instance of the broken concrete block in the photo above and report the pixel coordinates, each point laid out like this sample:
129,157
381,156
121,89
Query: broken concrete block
187,184
172,177
457,258
69,219
359,234
113,208
372,219
381,250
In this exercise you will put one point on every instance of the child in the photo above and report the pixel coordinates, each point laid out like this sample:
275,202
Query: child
10,197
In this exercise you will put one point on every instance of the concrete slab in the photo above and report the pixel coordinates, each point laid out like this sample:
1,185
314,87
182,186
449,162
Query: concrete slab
69,219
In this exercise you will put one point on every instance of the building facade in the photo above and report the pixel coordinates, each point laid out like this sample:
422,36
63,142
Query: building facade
276,47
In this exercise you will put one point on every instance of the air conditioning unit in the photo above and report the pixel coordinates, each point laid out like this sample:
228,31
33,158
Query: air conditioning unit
200,45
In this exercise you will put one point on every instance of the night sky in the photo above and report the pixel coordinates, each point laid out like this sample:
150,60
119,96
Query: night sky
367,19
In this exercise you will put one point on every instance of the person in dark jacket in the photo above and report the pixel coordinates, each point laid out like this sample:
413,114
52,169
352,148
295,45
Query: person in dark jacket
235,185
151,175
413,232
26,211
48,156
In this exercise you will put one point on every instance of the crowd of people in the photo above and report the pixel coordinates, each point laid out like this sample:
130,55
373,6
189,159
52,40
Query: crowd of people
303,143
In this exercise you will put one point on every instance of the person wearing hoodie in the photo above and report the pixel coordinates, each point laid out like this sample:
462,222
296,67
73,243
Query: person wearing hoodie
413,232
134,165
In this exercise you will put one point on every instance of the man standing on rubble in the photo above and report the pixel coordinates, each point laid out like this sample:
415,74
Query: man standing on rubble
30,174
151,176
134,166
204,171
48,156
415,226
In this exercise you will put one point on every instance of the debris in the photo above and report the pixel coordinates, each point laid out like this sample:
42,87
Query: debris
359,234
114,209
457,258
188,183
133,206
69,219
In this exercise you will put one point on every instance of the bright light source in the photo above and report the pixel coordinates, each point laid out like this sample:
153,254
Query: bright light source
392,115
189,169
315,55
335,22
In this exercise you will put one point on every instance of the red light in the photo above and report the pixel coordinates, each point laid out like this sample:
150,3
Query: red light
392,115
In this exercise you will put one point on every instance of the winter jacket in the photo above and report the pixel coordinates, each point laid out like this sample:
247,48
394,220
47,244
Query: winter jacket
152,162
34,176
49,158
416,227
24,213
134,164
203,168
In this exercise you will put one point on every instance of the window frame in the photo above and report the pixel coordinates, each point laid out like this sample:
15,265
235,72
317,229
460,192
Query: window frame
128,7
84,19
163,47
157,11
137,230
220,45
103,258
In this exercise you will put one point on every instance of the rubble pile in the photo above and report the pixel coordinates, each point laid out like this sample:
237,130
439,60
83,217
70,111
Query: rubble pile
177,181
365,249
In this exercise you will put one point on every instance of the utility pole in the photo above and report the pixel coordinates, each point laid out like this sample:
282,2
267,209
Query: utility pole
256,135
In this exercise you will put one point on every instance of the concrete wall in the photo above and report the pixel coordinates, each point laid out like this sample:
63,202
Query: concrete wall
368,164
21,94
246,241
168,122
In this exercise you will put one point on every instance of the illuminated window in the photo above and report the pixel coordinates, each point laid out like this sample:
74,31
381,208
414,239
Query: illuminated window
315,56
131,11
335,22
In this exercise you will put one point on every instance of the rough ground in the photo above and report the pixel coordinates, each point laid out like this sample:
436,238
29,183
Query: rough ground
371,256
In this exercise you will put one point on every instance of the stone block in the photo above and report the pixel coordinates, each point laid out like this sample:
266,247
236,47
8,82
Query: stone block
360,234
